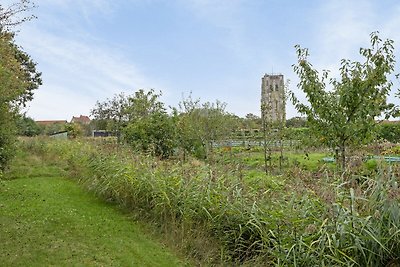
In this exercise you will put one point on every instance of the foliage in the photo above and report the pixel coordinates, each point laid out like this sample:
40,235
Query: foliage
314,223
7,136
201,124
149,127
154,133
142,119
18,79
296,122
251,121
111,114
389,132
345,115
74,130
10,15
52,128
143,104
27,126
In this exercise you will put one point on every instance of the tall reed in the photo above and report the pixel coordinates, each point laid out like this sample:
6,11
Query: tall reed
214,205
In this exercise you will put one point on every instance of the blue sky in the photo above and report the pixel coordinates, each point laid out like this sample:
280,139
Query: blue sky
89,50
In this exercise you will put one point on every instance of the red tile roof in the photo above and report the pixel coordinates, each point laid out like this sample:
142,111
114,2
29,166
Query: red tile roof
81,119
49,122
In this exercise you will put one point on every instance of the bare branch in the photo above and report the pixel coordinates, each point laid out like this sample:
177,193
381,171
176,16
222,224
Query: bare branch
15,14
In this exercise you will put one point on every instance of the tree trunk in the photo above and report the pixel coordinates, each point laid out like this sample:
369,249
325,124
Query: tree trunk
281,153
265,148
343,155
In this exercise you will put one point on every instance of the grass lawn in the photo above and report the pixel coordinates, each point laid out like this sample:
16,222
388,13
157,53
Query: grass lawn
47,220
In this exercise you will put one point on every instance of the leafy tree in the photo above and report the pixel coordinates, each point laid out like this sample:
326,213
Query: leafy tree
149,127
296,122
142,118
252,121
345,114
74,130
389,131
143,104
200,125
154,133
273,128
18,78
112,114
27,126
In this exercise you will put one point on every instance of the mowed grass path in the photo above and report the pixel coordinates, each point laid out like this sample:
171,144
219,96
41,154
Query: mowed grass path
51,221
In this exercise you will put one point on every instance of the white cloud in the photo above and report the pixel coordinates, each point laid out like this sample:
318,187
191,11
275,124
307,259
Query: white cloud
76,73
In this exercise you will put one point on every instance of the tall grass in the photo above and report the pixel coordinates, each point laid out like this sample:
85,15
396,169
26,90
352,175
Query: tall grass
216,218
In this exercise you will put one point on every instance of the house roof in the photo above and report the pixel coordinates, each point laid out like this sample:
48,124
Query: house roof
81,119
49,122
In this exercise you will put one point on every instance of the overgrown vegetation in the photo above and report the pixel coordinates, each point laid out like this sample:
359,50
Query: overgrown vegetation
217,214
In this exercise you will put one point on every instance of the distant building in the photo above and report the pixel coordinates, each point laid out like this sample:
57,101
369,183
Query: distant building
85,120
273,98
102,133
51,122
60,135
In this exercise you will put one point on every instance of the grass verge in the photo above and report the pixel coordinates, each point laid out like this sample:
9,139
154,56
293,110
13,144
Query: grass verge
47,220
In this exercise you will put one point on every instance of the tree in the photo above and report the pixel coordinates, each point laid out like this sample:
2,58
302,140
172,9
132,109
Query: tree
345,114
143,104
296,122
154,133
200,125
18,78
141,118
11,16
112,114
273,126
27,126
149,127
74,129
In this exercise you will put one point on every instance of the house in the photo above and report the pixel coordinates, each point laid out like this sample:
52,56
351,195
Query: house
52,126
85,120
51,122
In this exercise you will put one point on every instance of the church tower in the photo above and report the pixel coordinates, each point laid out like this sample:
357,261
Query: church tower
273,98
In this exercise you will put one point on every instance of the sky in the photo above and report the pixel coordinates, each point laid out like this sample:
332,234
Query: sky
90,50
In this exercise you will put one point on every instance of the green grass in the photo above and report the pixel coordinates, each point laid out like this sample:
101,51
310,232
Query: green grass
48,220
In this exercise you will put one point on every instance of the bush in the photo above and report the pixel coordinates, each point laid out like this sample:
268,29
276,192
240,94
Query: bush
389,132
155,133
